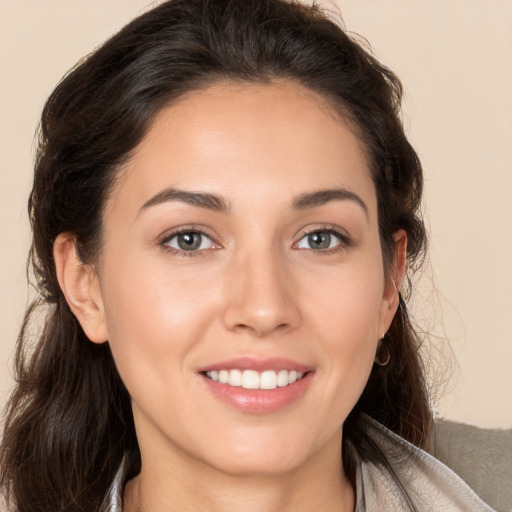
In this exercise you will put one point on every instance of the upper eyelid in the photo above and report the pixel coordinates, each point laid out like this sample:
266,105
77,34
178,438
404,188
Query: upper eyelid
170,233
177,233
345,240
331,228
164,242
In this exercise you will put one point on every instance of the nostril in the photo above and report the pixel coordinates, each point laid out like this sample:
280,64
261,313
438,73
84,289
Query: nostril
260,328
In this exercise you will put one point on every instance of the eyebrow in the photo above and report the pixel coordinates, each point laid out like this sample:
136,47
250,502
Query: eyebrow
321,197
219,204
200,199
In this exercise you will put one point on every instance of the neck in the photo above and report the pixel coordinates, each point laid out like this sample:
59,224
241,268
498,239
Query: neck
319,484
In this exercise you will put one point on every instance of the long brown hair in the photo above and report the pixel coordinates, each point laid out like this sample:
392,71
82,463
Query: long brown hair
69,420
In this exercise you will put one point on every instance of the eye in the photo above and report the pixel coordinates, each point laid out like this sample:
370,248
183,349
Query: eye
189,241
321,240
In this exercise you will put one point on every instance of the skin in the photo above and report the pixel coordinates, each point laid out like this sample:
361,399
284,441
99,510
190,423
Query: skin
256,287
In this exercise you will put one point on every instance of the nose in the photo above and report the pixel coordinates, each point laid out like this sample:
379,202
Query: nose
261,296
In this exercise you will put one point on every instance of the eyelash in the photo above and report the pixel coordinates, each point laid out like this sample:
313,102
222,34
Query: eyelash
185,230
345,241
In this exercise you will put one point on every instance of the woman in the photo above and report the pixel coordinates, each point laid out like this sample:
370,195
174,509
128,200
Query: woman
224,209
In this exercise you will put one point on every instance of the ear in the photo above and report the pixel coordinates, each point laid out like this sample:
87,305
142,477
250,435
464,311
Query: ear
81,288
399,258
394,279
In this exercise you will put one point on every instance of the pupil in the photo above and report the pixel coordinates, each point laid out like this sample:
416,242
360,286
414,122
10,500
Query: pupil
189,241
320,240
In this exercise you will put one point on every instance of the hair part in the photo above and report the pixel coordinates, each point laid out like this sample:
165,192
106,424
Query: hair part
69,421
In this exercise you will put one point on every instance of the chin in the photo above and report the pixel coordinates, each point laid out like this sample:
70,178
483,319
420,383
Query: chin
264,454
259,465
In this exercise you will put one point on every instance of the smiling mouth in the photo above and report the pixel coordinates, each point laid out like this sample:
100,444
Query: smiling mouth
251,379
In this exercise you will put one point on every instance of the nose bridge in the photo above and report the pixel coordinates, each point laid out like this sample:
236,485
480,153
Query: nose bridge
261,295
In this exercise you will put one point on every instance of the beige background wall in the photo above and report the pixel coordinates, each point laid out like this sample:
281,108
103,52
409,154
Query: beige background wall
455,60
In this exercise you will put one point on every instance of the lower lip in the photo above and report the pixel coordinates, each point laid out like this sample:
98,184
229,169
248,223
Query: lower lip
259,401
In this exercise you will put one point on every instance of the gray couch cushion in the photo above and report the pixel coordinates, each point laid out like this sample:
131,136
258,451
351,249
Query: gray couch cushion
483,458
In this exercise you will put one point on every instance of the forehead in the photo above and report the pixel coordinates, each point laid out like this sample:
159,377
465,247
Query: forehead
280,139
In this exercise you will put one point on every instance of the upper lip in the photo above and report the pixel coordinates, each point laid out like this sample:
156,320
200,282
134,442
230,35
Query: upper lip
257,364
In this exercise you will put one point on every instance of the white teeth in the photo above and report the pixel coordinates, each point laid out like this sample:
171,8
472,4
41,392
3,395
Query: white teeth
250,379
268,380
235,378
292,377
282,378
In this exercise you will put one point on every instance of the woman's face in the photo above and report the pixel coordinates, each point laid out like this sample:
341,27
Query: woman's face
241,243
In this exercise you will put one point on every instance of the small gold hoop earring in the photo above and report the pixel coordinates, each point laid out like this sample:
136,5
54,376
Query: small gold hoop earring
382,355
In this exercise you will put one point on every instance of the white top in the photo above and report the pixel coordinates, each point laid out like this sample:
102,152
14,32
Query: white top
430,485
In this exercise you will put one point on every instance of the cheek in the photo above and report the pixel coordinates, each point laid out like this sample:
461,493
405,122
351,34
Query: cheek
347,314
348,304
153,317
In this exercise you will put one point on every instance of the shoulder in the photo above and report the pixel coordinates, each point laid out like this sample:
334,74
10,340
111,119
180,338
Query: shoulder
428,484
